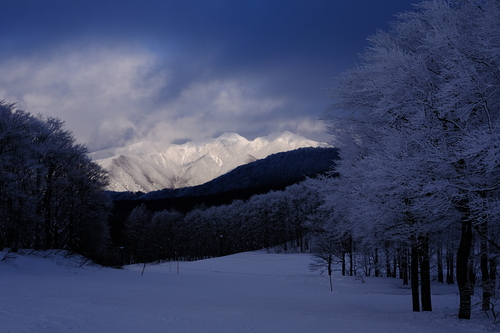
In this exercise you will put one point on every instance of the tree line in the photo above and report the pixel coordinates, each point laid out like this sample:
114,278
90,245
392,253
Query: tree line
277,220
51,193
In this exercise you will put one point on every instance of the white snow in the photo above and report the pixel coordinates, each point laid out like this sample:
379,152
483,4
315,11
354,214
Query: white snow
246,292
147,167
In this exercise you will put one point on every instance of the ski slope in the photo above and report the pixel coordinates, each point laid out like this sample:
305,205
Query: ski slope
246,292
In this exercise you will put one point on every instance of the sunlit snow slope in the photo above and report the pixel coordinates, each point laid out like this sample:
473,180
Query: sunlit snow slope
147,166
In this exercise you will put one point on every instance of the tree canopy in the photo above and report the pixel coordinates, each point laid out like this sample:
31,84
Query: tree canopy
51,193
418,123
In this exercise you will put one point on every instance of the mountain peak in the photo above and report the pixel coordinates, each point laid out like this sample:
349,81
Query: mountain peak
231,136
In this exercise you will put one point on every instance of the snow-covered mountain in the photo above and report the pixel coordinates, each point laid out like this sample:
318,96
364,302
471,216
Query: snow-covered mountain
146,166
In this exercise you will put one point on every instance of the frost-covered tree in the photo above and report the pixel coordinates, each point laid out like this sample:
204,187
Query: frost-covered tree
164,234
51,193
138,231
421,115
329,224
15,164
302,200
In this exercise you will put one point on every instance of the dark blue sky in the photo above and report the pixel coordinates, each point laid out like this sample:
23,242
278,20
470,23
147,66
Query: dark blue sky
124,71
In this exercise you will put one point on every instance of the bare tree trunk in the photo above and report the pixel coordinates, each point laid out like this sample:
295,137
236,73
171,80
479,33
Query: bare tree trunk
450,267
351,260
376,263
404,266
488,288
343,262
388,264
414,279
493,275
425,275
440,264
395,266
485,280
330,269
464,284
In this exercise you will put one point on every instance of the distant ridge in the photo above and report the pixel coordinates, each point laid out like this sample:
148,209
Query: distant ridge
147,166
271,173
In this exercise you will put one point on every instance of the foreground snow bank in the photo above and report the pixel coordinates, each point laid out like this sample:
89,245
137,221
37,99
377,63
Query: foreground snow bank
246,292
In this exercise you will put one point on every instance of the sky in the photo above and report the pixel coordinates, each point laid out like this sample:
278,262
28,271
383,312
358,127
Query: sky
124,71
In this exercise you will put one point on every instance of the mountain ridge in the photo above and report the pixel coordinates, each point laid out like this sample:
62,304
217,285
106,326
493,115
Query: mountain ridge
273,173
146,166
280,169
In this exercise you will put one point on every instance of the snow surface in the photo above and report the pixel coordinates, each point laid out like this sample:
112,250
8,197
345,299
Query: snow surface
246,292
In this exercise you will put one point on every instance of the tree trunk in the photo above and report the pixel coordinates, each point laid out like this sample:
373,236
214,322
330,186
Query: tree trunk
464,284
388,264
351,262
440,264
330,263
493,275
414,279
343,262
425,275
395,266
488,288
404,266
472,273
376,264
485,279
450,267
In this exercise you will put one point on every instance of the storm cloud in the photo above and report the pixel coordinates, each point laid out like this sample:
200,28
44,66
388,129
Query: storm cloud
119,72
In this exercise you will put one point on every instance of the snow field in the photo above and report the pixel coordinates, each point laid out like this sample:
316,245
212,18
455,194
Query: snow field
246,292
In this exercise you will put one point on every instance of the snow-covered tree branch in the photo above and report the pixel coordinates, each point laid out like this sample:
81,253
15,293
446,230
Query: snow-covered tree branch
418,124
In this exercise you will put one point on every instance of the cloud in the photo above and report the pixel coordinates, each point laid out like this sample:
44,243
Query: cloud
96,90
206,109
307,127
112,95
172,70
